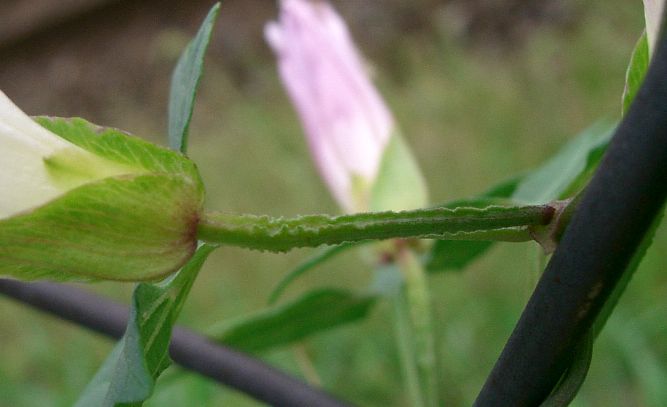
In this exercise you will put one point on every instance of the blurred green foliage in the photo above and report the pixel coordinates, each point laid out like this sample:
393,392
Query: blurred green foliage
474,116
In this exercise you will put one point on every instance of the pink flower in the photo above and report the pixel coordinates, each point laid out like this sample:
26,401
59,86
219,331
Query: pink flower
347,124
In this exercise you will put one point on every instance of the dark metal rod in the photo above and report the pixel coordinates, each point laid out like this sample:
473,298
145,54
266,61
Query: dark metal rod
188,349
615,212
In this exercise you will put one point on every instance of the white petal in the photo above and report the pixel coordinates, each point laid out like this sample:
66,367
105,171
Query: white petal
653,14
24,180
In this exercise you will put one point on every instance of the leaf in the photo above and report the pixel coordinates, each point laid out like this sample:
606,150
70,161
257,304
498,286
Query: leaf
568,169
109,229
455,254
622,284
280,325
128,375
399,184
632,338
310,263
185,82
559,177
634,75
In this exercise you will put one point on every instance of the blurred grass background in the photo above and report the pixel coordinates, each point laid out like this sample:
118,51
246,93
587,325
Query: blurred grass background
482,90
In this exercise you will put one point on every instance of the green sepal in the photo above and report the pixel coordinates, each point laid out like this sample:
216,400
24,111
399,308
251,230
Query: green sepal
634,75
123,148
399,184
135,226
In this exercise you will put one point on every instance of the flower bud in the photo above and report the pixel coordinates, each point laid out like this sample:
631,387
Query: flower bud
85,202
348,126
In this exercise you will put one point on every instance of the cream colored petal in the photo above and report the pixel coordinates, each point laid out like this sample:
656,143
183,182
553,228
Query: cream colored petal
18,126
653,14
24,180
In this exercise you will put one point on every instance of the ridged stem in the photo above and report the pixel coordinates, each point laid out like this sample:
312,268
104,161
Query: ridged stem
283,234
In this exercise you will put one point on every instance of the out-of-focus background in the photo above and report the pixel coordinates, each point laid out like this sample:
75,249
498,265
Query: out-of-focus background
483,89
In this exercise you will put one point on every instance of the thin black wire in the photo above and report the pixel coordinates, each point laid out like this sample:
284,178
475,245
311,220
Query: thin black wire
624,197
188,349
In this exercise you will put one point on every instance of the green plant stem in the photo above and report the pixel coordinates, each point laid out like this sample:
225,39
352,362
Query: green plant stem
419,307
283,234
405,342
306,365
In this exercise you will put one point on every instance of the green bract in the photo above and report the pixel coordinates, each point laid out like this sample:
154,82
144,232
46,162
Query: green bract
127,210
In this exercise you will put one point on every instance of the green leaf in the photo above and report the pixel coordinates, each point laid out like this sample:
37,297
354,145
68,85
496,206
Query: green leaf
640,356
454,254
568,170
185,82
128,375
615,296
457,254
559,177
399,184
138,226
310,263
634,75
280,325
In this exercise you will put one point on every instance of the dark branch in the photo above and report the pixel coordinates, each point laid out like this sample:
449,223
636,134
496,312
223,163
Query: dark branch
188,349
615,212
